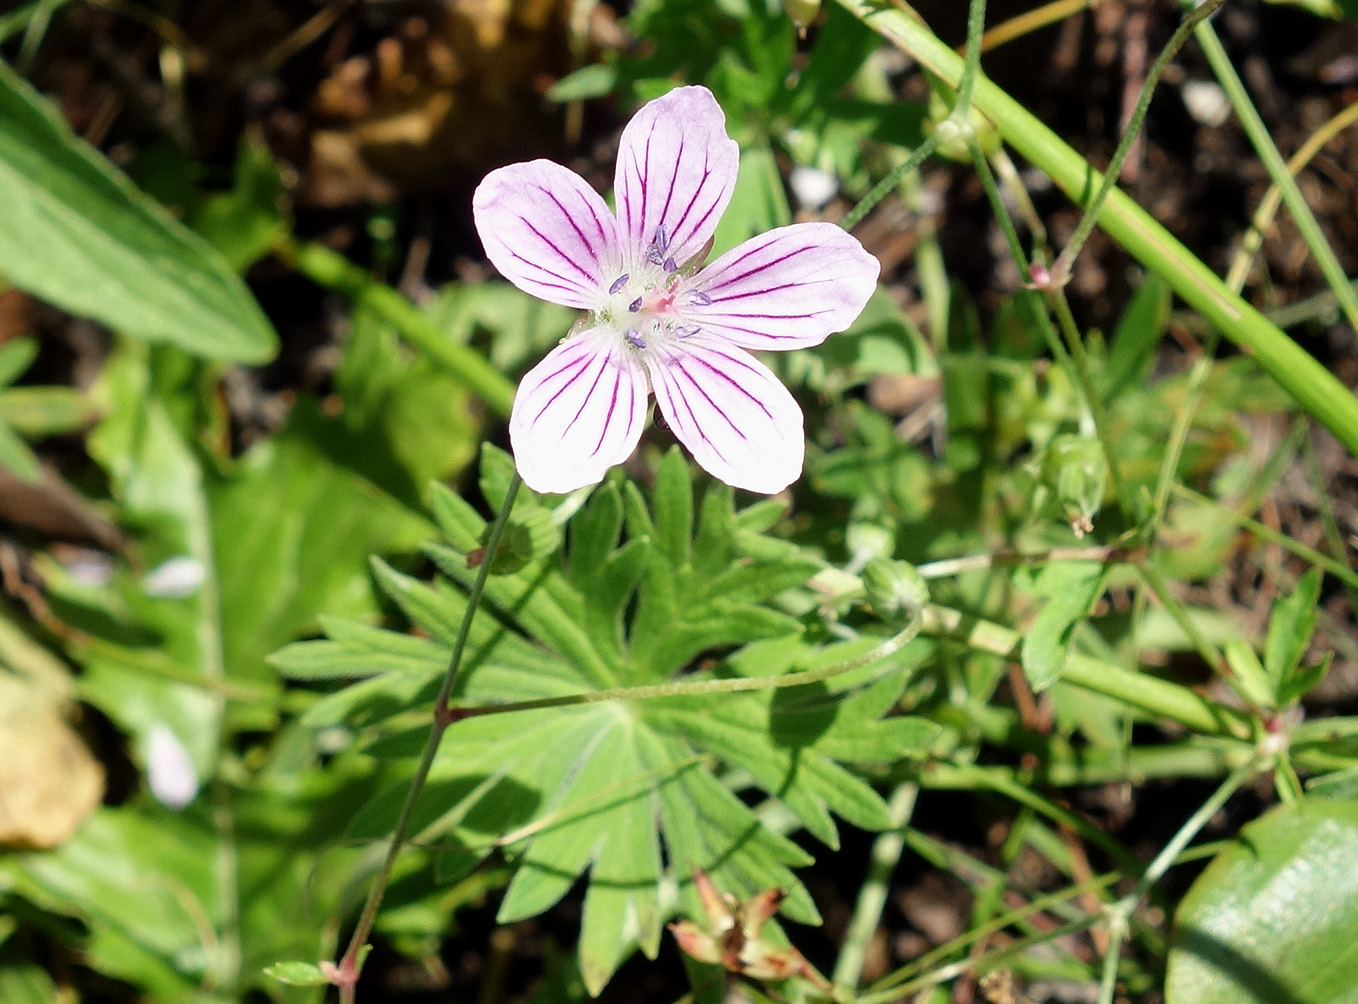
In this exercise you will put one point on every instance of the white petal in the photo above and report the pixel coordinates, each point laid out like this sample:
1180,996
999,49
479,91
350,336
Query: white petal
548,232
737,420
170,773
174,579
578,412
786,289
676,168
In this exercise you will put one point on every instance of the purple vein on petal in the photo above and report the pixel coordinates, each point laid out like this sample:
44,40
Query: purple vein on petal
612,406
669,196
542,268
646,177
693,199
760,268
583,361
677,393
734,383
598,224
571,220
766,290
585,401
679,365
570,261
717,319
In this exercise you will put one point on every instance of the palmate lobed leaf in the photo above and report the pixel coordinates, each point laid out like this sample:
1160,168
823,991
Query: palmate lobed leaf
636,793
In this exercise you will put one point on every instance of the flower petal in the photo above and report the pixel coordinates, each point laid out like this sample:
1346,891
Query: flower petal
578,412
676,168
786,289
548,232
737,420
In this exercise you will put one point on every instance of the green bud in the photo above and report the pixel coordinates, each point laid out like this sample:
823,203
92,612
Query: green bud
954,131
802,12
1075,472
895,588
868,540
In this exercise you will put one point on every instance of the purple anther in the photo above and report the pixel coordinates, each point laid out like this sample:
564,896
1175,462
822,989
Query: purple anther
635,338
618,283
699,297
671,265
662,238
654,255
686,330
635,305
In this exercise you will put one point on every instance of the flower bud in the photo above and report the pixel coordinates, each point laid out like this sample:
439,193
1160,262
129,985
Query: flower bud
895,588
1075,472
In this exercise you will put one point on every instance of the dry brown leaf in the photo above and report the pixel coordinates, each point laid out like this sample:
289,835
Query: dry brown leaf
459,89
49,780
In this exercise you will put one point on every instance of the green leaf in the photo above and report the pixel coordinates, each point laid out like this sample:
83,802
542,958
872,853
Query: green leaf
298,974
245,223
78,234
593,81
1274,918
601,788
1067,591
1290,626
16,456
16,356
1139,331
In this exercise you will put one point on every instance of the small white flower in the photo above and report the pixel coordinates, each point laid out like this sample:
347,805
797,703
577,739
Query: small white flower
169,771
175,579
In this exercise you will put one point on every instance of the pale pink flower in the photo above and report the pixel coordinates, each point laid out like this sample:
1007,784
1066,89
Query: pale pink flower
656,322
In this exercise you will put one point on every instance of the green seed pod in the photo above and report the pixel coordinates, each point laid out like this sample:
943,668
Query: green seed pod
1075,472
802,12
895,588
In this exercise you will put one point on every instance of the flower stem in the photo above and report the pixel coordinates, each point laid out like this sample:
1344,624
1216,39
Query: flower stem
741,684
1121,911
1066,260
962,107
1282,178
1318,391
346,973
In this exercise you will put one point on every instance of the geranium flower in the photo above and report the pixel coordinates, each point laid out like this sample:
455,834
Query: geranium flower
656,321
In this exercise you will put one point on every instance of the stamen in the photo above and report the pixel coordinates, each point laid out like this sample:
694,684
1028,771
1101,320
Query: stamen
618,283
662,238
685,330
635,305
655,256
671,265
635,338
699,297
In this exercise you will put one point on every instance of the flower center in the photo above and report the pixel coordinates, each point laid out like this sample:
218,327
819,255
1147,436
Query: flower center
645,305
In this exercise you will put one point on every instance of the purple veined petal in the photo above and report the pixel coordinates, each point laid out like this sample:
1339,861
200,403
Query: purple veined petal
578,412
676,169
786,289
548,232
741,425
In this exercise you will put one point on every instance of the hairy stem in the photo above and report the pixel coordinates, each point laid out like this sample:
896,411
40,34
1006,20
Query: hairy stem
346,973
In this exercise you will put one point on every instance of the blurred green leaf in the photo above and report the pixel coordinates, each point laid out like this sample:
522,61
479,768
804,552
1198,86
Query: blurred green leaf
245,223
1290,626
298,974
78,234
1136,337
1067,591
1274,918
